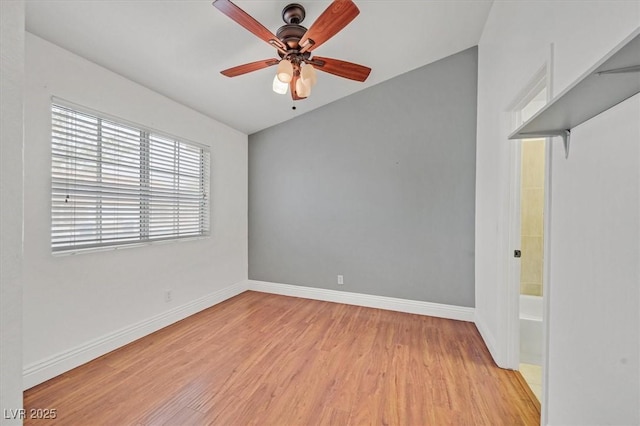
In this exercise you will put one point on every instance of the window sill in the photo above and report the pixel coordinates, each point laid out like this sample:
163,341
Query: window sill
73,252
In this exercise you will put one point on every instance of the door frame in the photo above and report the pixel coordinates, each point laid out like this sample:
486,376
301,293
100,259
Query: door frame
542,78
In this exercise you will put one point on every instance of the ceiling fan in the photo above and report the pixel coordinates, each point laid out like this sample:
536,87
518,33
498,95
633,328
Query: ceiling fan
294,43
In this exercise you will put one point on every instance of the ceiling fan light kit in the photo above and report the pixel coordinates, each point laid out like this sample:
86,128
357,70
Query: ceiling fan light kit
295,43
302,89
308,75
279,87
285,71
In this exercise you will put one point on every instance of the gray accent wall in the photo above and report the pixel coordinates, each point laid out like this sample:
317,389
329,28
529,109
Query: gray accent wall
378,187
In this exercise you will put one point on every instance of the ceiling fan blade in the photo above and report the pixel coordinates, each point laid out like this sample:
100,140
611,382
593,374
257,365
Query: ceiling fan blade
292,87
253,66
341,68
333,19
248,22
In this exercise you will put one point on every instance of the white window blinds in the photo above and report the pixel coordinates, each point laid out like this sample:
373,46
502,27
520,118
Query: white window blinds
116,184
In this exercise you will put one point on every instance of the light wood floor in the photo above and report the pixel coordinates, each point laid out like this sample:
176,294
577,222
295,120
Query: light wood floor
275,360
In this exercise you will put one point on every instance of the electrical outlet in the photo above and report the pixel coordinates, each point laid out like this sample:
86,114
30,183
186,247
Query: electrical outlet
340,279
168,296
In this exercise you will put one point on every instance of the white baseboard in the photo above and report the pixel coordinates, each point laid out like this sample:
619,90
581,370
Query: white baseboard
460,313
489,340
55,365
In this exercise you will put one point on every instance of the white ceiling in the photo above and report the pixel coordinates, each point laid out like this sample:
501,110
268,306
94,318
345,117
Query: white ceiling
178,48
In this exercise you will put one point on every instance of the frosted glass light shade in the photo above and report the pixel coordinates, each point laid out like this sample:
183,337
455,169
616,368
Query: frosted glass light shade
302,89
279,87
285,71
308,75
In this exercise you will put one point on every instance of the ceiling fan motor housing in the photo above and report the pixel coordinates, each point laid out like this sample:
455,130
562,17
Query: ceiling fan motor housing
291,33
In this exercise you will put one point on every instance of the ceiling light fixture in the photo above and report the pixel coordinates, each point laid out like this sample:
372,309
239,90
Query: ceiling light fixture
303,90
285,71
308,75
292,72
279,87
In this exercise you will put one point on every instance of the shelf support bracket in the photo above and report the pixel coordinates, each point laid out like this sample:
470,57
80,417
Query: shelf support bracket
566,139
564,134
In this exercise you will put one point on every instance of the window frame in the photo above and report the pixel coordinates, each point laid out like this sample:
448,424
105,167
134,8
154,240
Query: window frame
146,134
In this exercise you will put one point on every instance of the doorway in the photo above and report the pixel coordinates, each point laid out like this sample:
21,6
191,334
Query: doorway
531,322
529,192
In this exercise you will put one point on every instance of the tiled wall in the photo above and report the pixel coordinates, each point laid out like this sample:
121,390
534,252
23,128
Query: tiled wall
531,217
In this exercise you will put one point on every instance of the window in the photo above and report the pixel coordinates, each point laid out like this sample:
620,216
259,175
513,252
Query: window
115,184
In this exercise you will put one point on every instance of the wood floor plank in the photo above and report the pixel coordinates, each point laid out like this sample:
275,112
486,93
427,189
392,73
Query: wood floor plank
274,360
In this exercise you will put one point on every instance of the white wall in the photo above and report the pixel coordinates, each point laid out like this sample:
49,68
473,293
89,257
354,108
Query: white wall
77,307
11,120
595,335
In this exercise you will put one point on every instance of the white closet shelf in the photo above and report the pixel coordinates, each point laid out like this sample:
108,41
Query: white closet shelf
613,79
